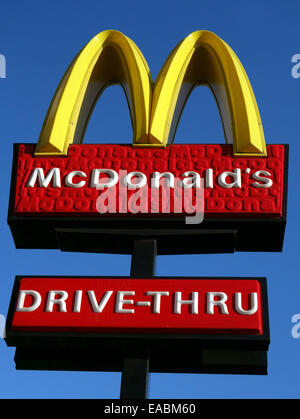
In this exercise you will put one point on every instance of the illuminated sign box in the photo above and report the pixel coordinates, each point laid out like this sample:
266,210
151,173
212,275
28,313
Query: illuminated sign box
182,321
113,190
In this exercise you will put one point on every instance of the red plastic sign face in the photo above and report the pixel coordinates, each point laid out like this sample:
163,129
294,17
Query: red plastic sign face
110,179
160,305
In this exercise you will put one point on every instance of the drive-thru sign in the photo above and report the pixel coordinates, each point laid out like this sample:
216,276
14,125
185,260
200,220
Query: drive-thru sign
200,324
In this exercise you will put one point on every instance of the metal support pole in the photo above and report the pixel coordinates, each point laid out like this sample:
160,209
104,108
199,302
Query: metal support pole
143,258
134,384
135,374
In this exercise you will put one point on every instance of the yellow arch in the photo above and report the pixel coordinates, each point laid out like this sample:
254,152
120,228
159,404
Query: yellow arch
111,57
203,58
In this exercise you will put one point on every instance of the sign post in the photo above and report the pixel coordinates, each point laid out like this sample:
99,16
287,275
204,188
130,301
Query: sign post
135,374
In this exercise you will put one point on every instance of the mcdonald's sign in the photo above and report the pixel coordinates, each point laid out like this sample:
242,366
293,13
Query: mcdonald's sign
192,198
211,324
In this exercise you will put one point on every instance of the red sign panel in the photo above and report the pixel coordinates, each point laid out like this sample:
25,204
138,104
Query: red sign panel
160,305
129,179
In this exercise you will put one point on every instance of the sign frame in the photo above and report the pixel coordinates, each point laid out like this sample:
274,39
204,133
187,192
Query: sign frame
87,234
234,354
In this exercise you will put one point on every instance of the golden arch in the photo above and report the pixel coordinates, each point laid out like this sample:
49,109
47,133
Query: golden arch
111,57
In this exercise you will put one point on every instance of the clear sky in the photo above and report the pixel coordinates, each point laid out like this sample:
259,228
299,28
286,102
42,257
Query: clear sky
39,40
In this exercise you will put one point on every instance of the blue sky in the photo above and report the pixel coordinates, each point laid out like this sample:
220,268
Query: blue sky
39,40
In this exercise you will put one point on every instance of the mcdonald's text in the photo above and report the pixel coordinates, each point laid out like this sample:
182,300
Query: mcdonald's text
73,184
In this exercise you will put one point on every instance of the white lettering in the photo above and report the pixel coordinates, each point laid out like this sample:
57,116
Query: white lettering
211,302
77,301
157,176
192,181
120,302
267,183
61,301
253,302
69,179
38,174
209,178
178,302
95,181
128,180
37,299
237,179
157,299
98,308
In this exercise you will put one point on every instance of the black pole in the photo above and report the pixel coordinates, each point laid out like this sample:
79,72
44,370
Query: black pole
135,374
143,258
